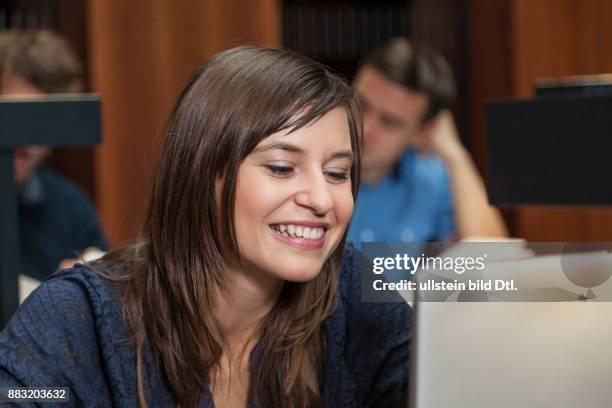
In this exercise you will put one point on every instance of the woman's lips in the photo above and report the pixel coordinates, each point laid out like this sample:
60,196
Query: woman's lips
298,242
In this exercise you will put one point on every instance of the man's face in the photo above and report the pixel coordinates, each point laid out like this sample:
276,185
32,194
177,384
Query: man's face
27,158
391,121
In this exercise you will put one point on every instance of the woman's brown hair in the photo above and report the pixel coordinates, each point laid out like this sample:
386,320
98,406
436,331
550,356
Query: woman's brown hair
233,102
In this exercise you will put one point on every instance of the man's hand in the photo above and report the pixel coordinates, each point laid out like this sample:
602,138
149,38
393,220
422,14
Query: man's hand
473,214
445,138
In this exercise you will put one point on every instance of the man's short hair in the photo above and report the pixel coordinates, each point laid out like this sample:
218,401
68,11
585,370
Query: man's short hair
418,68
42,58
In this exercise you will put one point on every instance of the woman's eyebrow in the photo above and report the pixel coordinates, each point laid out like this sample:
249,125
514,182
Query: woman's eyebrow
281,146
288,147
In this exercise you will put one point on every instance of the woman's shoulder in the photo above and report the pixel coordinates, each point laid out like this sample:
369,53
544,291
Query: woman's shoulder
66,291
75,295
373,336
363,305
72,305
68,332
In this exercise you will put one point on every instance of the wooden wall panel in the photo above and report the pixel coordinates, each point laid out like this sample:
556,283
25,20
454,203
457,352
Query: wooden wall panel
141,53
561,38
513,42
489,74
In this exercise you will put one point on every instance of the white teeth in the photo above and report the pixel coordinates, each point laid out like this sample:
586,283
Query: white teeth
298,231
307,233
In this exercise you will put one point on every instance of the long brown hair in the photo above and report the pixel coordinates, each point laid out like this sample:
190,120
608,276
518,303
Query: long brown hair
234,101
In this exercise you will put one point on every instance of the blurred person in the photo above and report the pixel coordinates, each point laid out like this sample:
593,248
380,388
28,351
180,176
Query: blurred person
418,181
239,289
56,219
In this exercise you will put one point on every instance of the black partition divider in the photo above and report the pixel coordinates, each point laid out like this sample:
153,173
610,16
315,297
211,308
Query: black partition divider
550,151
55,120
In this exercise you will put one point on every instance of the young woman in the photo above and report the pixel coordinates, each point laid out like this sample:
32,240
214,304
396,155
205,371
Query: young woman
239,289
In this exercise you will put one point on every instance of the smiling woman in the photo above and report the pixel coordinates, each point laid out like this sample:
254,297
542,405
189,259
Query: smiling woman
294,198
239,291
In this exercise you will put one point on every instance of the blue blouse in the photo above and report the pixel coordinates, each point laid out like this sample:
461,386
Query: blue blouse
70,333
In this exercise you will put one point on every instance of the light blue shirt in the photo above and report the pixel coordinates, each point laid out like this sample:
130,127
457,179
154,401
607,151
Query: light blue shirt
411,204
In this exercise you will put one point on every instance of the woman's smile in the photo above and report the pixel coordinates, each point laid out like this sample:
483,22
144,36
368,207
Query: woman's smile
301,234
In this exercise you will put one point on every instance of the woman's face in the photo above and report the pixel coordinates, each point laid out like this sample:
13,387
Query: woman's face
294,199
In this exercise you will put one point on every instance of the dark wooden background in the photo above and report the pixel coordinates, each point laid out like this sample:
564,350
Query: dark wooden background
138,53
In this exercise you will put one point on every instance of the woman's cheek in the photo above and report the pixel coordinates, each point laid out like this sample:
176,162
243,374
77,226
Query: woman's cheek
345,205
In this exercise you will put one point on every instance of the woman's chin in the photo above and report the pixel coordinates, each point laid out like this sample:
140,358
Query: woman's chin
298,273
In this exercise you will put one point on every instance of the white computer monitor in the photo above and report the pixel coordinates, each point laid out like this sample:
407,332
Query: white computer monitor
515,354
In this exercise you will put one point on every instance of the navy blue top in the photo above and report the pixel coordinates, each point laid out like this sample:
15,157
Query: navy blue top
56,221
70,333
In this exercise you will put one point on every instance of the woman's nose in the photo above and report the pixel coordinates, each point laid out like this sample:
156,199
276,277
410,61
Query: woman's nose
316,194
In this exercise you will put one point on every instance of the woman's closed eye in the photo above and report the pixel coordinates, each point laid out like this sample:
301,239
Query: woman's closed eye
338,175
335,175
279,170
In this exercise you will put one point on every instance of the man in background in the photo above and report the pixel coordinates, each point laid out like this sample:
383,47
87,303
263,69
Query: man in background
418,181
56,219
